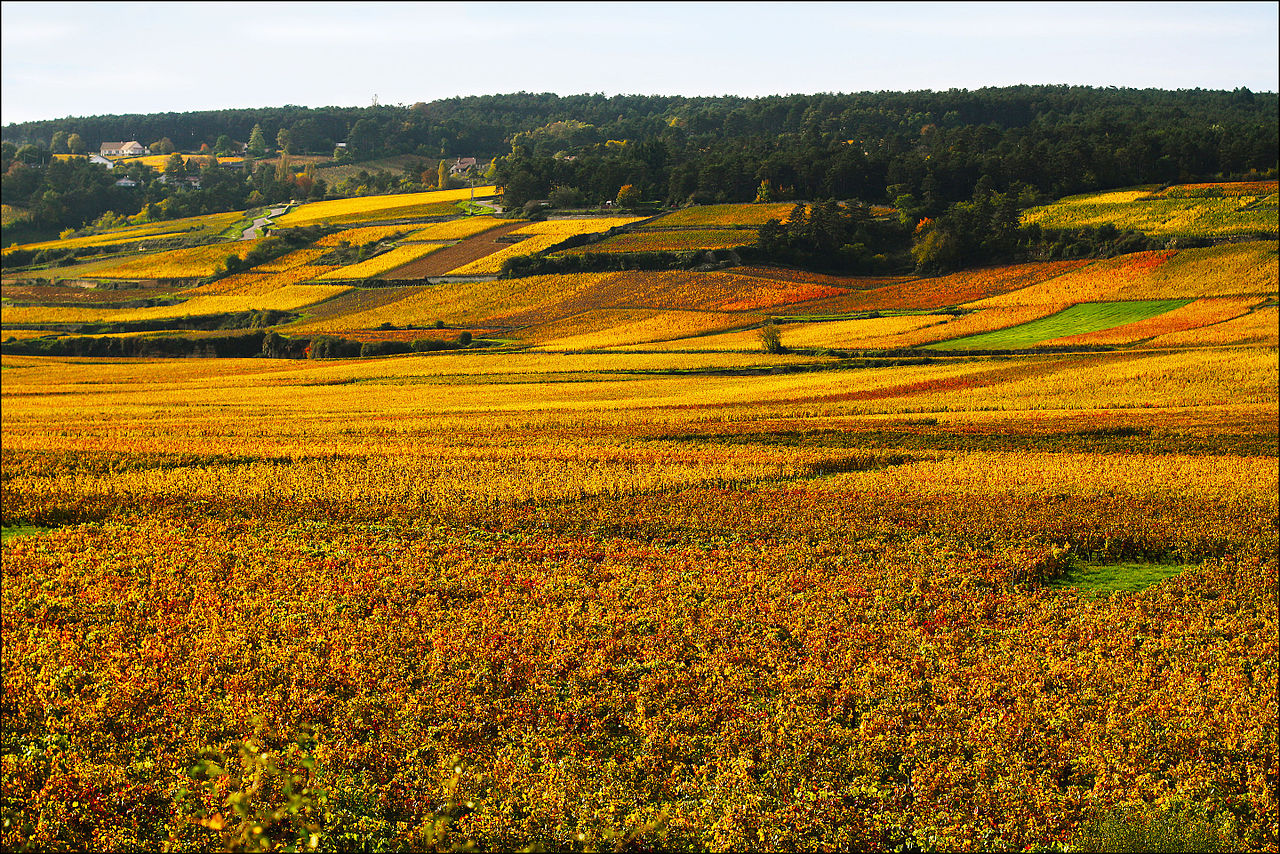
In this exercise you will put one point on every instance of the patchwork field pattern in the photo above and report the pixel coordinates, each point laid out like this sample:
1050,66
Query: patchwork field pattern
539,237
382,263
1195,315
462,253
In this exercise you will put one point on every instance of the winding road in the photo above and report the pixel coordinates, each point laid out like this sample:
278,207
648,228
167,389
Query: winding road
262,222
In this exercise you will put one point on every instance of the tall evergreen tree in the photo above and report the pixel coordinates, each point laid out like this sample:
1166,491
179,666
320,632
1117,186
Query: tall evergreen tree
257,142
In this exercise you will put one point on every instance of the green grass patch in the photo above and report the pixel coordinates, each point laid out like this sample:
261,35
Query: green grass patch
8,532
1077,320
1103,579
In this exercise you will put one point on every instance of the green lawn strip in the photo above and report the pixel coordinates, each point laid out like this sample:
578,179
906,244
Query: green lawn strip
1077,320
8,532
1102,579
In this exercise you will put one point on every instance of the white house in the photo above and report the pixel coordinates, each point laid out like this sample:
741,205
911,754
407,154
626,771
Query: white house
101,161
132,148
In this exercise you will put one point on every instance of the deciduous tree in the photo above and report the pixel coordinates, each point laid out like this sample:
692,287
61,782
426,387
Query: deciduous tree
628,196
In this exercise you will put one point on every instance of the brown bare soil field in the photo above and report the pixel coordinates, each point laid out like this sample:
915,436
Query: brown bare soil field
22,292
464,252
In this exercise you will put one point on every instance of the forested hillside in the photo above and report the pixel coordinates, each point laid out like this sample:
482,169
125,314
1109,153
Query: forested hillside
923,150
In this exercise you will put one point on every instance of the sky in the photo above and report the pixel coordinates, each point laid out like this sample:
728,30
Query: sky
79,59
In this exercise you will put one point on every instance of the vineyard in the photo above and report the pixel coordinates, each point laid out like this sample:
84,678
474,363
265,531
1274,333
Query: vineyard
1214,210
676,606
371,208
966,562
672,240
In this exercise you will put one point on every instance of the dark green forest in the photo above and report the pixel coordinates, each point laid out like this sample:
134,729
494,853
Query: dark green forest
921,151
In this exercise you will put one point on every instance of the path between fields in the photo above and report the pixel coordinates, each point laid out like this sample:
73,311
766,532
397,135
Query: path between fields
261,222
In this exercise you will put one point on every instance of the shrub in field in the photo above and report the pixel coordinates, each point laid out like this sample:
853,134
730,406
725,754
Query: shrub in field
770,338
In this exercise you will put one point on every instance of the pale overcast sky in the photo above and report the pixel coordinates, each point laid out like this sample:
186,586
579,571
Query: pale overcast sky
77,59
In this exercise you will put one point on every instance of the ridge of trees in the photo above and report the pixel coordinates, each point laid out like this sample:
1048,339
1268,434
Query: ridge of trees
922,151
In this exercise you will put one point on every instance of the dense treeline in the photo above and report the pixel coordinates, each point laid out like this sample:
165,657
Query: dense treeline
931,148
922,150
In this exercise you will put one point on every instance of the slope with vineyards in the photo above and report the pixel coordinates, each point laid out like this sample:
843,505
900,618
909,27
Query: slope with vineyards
332,266
612,529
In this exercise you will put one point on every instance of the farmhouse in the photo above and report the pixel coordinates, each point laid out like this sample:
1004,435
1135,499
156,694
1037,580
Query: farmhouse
101,161
190,180
127,182
462,166
132,148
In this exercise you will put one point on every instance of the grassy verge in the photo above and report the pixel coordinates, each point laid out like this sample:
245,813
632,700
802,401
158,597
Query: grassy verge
1104,579
8,532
